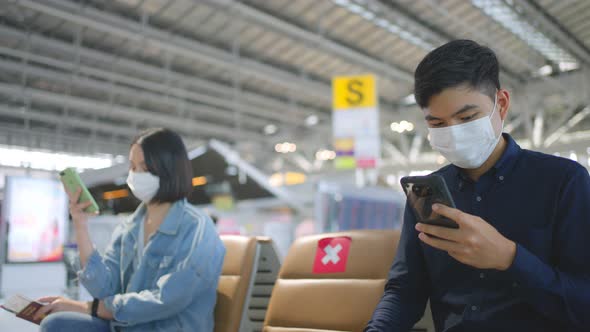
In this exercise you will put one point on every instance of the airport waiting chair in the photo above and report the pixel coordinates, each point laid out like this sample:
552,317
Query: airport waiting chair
250,268
234,282
331,282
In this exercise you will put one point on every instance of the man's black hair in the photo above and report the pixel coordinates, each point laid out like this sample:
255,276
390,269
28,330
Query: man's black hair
165,156
454,64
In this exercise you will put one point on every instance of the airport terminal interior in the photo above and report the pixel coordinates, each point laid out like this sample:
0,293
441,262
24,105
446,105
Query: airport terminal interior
299,119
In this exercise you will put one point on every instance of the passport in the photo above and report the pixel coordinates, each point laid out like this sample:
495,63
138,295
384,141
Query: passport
23,308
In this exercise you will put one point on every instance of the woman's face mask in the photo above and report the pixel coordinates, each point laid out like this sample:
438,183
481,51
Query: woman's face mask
144,185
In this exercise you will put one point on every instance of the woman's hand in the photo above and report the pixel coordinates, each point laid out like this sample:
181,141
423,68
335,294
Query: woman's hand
80,220
57,304
79,217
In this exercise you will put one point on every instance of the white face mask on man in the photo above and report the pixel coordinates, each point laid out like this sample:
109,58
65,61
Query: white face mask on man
467,145
144,185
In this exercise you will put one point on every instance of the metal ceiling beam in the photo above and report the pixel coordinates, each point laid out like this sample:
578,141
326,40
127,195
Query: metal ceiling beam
567,126
48,139
182,46
315,40
38,115
127,113
436,36
515,123
300,161
217,94
512,80
394,152
576,85
582,138
416,147
178,45
148,70
106,86
551,26
565,116
538,124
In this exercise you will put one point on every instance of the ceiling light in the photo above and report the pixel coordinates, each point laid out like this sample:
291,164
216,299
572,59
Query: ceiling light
285,147
325,155
546,70
409,100
402,126
270,129
312,120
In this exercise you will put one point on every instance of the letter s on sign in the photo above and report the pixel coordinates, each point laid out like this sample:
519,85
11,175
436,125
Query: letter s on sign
355,95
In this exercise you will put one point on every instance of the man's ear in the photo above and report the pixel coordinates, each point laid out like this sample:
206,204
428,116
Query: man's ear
503,103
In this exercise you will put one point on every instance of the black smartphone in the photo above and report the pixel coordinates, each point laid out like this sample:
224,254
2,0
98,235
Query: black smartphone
422,192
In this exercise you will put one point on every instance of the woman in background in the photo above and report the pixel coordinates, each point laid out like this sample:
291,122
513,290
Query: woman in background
161,270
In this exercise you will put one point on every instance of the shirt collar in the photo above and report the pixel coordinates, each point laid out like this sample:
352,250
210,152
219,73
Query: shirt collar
502,167
173,219
509,157
171,222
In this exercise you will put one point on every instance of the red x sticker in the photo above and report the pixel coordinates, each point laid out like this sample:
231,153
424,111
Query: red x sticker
332,254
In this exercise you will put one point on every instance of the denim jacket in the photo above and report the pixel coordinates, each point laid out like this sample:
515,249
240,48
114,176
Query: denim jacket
174,286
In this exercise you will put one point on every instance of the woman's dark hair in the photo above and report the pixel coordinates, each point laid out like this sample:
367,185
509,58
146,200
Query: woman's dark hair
165,156
456,63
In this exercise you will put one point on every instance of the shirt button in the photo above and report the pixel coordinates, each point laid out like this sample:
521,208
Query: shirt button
482,275
474,308
501,177
478,198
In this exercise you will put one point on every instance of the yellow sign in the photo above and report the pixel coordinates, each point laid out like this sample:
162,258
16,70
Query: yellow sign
344,144
353,92
287,179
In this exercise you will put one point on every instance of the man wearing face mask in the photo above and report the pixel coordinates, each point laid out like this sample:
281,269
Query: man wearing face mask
161,270
520,260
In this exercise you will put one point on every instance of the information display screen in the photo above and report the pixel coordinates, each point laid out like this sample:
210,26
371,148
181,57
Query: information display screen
36,214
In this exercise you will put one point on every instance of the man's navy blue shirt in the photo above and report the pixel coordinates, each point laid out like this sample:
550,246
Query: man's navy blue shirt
539,201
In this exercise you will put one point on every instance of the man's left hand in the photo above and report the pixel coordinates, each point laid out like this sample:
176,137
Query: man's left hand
475,242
